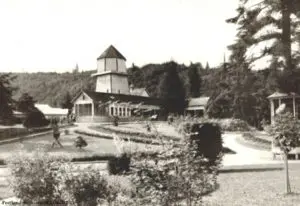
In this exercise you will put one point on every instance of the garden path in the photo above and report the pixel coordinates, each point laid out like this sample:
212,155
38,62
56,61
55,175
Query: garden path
246,155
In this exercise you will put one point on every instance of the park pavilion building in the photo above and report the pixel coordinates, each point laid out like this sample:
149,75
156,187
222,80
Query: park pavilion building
113,96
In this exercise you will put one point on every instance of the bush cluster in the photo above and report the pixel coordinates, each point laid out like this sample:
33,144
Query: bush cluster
179,174
80,142
41,179
119,164
35,118
225,124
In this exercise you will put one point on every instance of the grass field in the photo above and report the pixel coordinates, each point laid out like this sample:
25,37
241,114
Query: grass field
256,188
95,146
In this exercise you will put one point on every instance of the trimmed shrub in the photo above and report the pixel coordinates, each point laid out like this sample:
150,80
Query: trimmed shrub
102,157
208,138
119,165
35,119
116,121
67,132
80,142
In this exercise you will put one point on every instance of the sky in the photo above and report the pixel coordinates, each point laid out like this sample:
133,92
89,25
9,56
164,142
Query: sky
55,35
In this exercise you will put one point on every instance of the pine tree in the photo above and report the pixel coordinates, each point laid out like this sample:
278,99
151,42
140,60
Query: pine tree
207,67
25,103
171,89
6,101
67,103
268,31
195,80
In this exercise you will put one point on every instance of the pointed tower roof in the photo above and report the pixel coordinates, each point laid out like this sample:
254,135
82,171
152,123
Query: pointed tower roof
111,52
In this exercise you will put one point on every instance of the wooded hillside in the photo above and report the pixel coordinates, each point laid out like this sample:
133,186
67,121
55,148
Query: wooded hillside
51,87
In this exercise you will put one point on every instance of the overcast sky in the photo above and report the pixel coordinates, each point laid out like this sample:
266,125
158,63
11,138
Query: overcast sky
54,35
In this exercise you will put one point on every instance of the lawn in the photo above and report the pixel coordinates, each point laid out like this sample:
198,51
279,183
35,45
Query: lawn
256,188
95,146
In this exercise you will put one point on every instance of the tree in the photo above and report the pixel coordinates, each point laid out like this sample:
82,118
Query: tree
195,80
171,89
135,76
285,131
6,100
207,67
67,103
267,32
35,118
25,103
76,69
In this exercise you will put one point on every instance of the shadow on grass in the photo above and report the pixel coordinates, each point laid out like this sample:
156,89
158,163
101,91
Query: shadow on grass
226,150
250,168
291,194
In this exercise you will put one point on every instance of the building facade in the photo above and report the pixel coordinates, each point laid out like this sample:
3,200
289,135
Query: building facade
113,96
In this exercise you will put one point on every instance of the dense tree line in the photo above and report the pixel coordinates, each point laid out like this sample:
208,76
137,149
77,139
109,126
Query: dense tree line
50,88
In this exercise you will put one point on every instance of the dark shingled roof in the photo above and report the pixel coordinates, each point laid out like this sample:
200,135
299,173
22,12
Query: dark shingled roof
101,96
111,52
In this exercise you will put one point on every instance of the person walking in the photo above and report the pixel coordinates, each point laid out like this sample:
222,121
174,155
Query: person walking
56,134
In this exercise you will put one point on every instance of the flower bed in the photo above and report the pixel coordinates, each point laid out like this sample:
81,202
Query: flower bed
107,136
131,132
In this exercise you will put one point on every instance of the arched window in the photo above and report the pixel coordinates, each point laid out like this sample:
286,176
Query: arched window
124,112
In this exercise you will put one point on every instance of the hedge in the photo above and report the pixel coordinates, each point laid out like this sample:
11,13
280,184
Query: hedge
8,133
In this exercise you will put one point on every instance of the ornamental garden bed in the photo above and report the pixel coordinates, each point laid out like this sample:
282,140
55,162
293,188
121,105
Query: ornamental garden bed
133,132
254,139
110,136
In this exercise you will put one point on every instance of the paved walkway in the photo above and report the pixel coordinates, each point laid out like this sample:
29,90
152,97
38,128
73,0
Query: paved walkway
246,155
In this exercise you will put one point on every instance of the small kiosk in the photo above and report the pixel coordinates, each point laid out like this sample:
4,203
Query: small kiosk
291,101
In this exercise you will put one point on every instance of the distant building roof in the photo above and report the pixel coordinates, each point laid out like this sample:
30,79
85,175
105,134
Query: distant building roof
47,110
134,99
139,92
278,95
111,52
198,103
